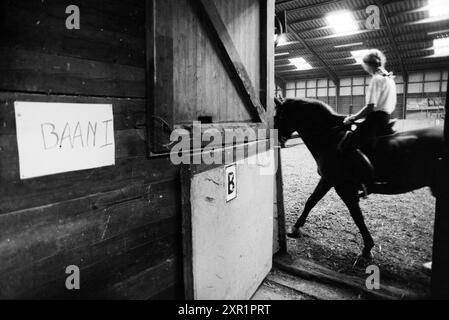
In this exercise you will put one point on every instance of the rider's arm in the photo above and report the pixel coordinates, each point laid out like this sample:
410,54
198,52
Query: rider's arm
363,113
372,96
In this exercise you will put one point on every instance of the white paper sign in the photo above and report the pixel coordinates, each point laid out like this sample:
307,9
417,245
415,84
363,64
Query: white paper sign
62,137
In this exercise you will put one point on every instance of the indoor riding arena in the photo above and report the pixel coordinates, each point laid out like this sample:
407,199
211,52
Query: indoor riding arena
224,150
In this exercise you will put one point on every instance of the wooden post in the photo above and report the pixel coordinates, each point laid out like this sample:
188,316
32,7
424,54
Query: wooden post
440,264
282,235
404,97
150,53
337,96
187,253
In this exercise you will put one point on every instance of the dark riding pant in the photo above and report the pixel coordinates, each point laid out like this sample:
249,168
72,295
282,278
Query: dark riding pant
366,133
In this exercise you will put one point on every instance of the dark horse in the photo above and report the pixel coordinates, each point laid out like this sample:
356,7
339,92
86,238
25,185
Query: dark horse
403,162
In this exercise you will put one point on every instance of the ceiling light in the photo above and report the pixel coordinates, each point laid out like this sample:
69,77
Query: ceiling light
281,54
342,22
300,64
438,8
349,45
358,55
441,47
287,43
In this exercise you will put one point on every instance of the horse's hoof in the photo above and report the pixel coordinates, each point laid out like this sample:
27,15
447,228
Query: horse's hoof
367,255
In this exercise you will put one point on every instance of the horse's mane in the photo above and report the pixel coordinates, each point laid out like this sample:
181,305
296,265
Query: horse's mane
314,102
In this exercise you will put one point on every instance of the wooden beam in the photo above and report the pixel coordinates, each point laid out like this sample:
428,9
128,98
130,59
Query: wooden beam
405,97
264,80
360,11
421,45
150,69
430,61
281,83
394,45
187,247
323,4
312,6
440,254
210,17
282,234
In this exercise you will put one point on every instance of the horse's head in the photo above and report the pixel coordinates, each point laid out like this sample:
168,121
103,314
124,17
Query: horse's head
282,124
304,116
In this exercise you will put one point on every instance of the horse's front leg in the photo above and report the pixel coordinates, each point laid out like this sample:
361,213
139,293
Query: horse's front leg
351,199
321,190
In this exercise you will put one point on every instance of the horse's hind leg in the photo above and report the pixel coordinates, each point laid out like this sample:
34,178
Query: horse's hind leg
321,190
351,200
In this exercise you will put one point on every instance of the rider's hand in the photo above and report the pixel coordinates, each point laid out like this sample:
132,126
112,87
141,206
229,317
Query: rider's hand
349,120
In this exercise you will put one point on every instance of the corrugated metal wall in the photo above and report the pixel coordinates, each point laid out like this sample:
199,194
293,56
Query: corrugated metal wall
429,86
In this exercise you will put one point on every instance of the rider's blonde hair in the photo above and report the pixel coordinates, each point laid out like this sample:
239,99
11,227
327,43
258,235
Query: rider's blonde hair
375,59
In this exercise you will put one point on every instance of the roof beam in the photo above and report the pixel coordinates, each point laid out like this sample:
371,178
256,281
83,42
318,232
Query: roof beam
417,46
312,6
326,67
348,40
413,60
357,12
300,9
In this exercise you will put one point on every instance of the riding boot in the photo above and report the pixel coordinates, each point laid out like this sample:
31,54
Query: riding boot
364,169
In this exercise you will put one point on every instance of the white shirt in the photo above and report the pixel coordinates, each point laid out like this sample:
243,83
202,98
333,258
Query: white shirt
382,93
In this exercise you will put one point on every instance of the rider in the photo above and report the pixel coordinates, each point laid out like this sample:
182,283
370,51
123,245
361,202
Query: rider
381,101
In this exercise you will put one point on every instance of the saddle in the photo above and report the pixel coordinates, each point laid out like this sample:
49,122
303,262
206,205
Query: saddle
361,165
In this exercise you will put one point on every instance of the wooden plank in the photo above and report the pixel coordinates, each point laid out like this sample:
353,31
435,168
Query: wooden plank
281,226
311,271
187,249
40,26
171,293
264,43
150,70
163,75
153,283
128,113
128,144
17,195
231,155
100,265
227,51
81,222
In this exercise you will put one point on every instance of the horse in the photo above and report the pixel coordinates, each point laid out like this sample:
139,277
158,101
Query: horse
403,162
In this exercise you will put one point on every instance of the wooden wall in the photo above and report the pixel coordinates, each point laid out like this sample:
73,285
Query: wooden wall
119,224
